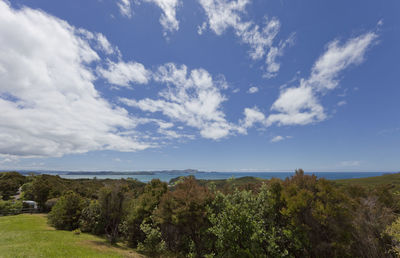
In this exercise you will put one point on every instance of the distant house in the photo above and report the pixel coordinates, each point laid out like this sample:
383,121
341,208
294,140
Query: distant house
30,206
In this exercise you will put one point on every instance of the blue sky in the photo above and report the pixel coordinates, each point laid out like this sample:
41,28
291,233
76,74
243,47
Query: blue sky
214,85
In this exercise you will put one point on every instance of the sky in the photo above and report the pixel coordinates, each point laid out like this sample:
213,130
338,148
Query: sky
214,85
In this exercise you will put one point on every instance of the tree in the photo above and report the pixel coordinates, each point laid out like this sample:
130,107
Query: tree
111,199
66,213
10,183
182,216
244,225
140,209
321,214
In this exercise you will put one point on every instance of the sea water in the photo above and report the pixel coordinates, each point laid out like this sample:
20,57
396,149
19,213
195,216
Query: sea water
167,176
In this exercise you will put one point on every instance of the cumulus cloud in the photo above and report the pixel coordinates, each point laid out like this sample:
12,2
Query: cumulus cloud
49,105
223,14
123,74
296,106
168,18
193,98
341,103
251,116
252,90
125,8
300,105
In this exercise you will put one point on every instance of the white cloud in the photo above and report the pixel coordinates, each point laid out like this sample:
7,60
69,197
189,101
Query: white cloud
341,103
272,65
252,90
192,98
168,19
300,105
277,138
125,8
49,105
223,14
350,163
337,58
296,106
201,28
251,116
123,74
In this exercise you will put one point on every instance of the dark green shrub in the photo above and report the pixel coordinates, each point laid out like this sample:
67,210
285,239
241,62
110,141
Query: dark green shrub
91,219
111,200
66,213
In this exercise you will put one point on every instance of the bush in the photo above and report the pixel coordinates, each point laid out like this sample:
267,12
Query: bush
393,231
10,207
91,219
66,213
49,204
153,245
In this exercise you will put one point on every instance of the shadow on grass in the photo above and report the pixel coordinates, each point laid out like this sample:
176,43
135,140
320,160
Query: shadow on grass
104,246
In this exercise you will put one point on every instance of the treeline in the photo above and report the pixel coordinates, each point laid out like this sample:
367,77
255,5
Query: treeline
301,216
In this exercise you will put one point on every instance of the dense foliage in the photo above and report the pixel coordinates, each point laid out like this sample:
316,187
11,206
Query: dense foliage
10,183
301,216
66,213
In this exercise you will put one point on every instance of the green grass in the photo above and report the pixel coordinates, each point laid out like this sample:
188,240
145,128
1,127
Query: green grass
29,236
388,179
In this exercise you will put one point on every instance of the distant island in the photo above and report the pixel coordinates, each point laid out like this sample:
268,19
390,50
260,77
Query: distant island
131,173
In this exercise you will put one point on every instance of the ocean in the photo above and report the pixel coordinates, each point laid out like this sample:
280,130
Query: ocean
166,176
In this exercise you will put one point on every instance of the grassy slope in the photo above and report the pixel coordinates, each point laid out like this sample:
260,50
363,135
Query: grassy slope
29,236
392,179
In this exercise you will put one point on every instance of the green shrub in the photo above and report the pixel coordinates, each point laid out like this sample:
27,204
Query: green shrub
10,207
153,245
66,213
91,219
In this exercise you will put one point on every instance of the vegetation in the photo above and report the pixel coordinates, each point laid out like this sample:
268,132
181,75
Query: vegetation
30,236
301,216
393,180
10,183
66,213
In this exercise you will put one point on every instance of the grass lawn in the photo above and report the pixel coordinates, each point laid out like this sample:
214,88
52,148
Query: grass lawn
29,236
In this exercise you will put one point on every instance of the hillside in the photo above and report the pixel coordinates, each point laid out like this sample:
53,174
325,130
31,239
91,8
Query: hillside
388,179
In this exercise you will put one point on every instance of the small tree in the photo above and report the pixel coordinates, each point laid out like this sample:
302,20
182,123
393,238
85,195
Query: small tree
66,213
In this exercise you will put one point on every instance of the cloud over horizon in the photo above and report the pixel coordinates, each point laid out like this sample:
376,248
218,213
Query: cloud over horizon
50,106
